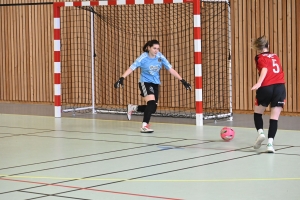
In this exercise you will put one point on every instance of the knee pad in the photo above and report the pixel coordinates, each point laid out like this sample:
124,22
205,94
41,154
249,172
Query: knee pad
152,106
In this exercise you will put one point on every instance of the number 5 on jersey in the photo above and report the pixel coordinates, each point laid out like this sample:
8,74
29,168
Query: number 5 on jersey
276,68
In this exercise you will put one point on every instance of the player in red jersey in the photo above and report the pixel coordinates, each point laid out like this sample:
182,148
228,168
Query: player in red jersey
270,89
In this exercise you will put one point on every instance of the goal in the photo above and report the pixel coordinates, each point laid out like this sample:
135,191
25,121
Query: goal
96,41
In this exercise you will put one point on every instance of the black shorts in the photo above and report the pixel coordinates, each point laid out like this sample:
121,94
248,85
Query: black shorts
271,94
149,88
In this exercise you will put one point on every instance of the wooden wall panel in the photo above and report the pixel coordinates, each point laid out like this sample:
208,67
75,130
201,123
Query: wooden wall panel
279,21
297,43
26,59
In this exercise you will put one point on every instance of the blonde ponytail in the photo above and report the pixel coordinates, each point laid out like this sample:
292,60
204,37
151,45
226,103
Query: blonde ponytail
260,43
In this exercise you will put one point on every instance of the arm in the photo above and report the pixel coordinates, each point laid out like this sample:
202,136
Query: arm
262,76
175,74
127,72
134,65
121,79
168,67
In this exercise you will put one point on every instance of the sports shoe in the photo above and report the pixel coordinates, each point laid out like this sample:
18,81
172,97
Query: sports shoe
261,137
270,148
130,109
146,129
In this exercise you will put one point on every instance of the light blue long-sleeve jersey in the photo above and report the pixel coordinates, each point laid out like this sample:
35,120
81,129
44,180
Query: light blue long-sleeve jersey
150,67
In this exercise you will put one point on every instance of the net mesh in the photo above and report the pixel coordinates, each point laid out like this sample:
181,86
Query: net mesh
215,59
113,36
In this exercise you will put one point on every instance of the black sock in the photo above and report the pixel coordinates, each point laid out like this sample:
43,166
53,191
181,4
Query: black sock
147,113
141,108
258,121
272,128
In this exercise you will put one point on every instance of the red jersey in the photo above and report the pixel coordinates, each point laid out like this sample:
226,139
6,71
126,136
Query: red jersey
272,63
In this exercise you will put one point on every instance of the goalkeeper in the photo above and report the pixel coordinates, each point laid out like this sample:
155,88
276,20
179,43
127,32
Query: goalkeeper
150,62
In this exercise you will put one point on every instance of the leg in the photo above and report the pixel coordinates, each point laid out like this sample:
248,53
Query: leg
277,104
258,121
138,108
150,108
275,113
150,93
145,92
133,108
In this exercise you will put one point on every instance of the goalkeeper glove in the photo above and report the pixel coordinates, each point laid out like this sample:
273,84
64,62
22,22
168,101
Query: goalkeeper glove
186,84
119,82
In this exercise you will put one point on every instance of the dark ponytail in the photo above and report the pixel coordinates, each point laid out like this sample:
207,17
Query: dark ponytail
149,44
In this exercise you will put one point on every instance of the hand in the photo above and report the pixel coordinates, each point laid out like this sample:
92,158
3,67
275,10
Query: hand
119,82
256,86
186,84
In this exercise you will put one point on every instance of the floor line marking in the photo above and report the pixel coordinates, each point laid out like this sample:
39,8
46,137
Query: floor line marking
126,121
106,159
91,189
153,180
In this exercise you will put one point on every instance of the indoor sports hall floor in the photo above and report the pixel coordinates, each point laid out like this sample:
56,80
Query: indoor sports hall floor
47,158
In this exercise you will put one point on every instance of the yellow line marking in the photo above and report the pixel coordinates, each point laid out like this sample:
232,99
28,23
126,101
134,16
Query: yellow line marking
154,180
